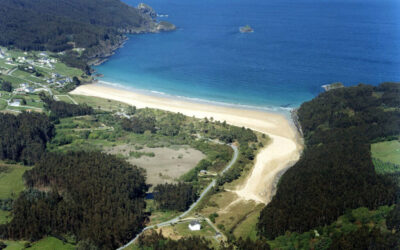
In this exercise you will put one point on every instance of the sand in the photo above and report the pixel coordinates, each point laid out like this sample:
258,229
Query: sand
283,151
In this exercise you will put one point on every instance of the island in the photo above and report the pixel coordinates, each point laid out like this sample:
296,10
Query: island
246,29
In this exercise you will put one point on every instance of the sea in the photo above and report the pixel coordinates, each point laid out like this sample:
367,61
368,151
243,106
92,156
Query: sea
296,47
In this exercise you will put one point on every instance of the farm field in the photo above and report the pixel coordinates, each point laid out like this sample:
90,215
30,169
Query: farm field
387,151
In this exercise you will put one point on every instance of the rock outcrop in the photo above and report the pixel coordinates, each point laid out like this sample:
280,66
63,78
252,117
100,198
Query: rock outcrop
149,25
147,10
246,29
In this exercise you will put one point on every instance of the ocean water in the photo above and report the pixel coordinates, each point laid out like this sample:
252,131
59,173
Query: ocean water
297,46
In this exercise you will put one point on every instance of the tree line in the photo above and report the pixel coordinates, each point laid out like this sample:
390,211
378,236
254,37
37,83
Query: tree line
60,109
335,171
156,241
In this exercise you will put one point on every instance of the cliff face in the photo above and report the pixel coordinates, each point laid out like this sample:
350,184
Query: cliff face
149,24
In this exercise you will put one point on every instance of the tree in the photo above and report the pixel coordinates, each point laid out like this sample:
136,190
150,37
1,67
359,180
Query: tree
6,86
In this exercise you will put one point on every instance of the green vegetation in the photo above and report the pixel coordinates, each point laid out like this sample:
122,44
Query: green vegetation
387,151
11,181
346,231
102,200
100,103
138,154
335,172
51,243
64,25
48,243
154,240
24,137
174,196
60,109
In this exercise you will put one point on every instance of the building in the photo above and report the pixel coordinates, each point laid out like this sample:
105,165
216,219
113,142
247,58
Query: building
194,225
29,90
15,103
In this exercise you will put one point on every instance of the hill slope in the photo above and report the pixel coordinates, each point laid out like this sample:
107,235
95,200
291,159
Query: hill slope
58,25
336,172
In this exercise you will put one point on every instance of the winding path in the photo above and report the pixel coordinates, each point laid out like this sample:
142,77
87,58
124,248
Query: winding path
205,191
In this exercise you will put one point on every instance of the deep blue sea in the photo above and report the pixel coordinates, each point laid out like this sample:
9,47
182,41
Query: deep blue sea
297,46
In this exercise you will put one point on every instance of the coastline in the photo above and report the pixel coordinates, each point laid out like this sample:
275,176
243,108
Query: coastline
280,154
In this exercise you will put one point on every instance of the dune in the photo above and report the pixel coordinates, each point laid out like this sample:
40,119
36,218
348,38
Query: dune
274,158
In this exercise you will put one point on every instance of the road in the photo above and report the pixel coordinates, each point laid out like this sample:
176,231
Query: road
205,191
58,99
12,71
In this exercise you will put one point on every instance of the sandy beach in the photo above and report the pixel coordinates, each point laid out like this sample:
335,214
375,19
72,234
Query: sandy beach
283,151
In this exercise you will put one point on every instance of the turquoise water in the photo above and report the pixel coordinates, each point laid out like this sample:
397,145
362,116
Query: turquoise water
297,46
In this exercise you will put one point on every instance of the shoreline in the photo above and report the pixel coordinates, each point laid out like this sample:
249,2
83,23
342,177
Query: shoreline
285,111
280,154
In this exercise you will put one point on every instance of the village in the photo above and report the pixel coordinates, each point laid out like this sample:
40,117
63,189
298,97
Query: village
23,75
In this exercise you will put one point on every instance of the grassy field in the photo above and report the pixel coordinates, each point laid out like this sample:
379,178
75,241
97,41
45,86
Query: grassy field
4,216
11,182
247,227
180,230
48,243
100,103
159,216
64,98
388,151
3,104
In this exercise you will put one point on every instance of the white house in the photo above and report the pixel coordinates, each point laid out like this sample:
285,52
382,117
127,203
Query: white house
194,225
15,103
29,90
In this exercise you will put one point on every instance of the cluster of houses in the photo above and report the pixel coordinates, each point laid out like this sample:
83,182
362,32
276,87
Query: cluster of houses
24,88
58,80
45,60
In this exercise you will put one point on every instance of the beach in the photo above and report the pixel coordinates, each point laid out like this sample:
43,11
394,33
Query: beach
274,158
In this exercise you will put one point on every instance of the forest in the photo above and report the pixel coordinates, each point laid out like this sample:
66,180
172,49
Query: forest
94,196
175,196
336,172
64,24
23,137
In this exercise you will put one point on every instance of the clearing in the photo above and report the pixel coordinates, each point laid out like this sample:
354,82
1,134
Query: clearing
167,164
387,151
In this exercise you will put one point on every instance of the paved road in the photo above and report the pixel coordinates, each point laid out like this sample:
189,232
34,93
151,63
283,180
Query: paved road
205,191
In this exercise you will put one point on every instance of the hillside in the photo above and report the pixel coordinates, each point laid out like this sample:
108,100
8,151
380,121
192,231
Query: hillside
96,25
336,172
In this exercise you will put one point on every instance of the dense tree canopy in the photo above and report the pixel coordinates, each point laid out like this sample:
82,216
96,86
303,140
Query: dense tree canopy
335,172
5,86
139,124
175,196
97,197
24,137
